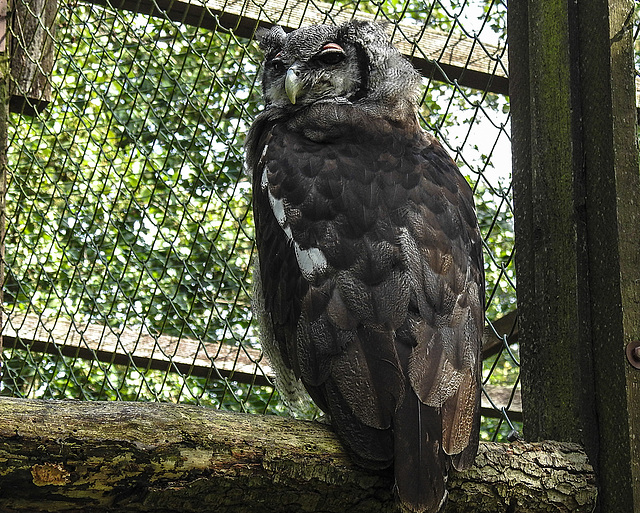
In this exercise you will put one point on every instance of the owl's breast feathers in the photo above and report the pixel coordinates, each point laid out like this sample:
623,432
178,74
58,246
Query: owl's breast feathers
371,268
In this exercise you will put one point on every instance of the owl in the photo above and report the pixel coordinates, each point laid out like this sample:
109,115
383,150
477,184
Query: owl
369,285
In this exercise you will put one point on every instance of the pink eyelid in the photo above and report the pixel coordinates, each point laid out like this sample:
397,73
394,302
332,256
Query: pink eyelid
332,46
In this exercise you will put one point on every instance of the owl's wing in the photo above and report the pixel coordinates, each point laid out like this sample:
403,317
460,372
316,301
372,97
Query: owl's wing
371,271
445,364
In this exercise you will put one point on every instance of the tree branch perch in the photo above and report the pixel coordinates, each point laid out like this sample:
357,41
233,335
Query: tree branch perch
137,457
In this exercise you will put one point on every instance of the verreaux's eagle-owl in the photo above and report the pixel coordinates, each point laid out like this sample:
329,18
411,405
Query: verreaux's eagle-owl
369,281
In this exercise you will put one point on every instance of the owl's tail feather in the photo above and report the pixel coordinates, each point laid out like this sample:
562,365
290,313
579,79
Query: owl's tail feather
420,464
369,447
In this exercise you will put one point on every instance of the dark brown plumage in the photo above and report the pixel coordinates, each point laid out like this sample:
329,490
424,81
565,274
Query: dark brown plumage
369,283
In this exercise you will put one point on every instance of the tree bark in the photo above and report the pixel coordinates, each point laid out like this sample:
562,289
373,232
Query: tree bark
67,456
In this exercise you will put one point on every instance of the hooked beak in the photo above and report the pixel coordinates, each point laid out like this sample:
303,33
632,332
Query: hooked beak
293,84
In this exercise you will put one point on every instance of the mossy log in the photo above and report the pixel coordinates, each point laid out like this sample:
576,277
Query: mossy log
67,456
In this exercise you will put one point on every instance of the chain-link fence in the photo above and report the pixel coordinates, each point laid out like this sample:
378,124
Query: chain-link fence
129,233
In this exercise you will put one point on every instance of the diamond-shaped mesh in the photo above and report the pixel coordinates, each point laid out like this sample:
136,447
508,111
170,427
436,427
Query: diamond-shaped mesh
129,231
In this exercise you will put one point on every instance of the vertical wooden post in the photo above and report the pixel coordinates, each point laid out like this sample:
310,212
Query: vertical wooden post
550,223
5,81
577,212
613,219
33,53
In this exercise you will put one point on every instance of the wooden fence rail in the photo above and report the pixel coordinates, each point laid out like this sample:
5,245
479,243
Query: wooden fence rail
213,360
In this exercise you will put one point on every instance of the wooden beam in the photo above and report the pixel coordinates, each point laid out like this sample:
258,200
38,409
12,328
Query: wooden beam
556,364
577,220
497,397
71,456
238,362
493,340
146,351
612,190
33,28
441,55
436,54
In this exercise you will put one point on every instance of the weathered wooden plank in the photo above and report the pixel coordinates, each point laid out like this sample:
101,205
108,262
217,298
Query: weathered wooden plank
577,220
5,83
71,456
507,325
33,30
612,191
550,265
146,351
461,58
501,397
189,356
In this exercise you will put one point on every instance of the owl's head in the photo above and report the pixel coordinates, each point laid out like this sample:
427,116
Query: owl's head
353,62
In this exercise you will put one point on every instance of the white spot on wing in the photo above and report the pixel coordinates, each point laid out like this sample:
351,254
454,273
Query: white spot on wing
278,208
444,497
311,261
277,205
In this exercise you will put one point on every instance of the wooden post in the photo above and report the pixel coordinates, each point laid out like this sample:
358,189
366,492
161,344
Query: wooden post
5,80
577,220
33,27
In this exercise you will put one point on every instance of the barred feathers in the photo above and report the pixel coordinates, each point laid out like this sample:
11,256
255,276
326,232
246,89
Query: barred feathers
369,271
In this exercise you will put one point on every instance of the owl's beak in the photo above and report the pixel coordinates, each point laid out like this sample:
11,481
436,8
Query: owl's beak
293,84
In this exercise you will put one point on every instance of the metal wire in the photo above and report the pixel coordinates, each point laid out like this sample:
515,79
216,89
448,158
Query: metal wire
129,229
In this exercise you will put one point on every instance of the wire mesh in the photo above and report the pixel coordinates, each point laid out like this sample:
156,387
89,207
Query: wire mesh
129,231
636,50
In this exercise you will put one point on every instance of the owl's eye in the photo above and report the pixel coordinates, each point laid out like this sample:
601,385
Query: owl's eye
277,64
330,54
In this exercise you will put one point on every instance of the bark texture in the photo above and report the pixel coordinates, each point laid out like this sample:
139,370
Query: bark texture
137,457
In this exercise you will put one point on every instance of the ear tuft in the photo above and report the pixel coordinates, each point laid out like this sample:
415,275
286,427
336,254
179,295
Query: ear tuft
361,30
270,40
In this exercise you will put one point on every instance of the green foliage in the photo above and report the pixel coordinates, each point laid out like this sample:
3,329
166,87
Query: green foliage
127,202
123,147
